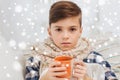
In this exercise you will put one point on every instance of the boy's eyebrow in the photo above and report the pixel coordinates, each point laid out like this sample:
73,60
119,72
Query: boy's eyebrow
73,26
62,26
57,26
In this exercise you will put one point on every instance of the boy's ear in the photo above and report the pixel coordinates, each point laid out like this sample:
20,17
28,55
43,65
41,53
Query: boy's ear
49,31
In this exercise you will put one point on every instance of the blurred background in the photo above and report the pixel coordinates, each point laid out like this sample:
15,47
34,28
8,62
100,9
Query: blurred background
24,22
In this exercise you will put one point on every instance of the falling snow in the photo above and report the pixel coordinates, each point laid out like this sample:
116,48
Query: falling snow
23,23
18,8
22,45
12,43
17,66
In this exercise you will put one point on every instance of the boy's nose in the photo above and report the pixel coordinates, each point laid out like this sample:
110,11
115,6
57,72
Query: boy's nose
65,35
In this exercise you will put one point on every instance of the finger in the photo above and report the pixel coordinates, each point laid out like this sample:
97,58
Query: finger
80,63
78,75
61,78
58,69
60,73
79,71
80,67
54,64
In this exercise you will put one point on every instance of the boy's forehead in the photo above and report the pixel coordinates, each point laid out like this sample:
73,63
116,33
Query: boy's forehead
71,21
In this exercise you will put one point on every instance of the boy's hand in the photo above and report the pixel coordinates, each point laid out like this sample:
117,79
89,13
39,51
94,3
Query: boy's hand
54,71
80,70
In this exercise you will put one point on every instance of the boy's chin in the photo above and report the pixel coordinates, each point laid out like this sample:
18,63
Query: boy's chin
66,49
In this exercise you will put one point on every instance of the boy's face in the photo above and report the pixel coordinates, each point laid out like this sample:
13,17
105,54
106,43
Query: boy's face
66,32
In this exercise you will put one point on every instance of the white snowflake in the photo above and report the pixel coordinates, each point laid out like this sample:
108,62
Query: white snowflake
93,27
105,18
42,29
94,40
105,43
14,15
85,11
37,40
17,23
42,11
22,45
96,19
4,67
14,3
17,66
104,65
36,48
31,23
99,59
21,24
46,1
23,33
67,65
87,1
111,39
110,55
18,8
32,73
9,8
2,11
8,75
115,13
28,19
16,58
4,21
6,51
0,44
88,60
116,53
31,48
99,46
102,2
90,40
118,28
36,34
25,9
115,35
12,43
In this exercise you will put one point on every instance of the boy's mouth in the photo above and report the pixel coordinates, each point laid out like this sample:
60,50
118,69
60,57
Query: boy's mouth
66,43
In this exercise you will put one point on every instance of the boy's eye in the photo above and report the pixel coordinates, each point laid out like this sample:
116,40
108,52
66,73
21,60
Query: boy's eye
73,29
58,29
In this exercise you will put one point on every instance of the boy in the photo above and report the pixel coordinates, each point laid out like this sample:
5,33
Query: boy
65,29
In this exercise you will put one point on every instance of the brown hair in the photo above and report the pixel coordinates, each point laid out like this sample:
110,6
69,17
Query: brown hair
64,9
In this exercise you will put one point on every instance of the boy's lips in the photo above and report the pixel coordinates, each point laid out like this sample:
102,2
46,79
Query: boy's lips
65,43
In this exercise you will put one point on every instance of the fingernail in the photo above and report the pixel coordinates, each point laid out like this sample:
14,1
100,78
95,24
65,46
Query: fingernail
65,71
77,66
66,79
59,62
64,67
73,72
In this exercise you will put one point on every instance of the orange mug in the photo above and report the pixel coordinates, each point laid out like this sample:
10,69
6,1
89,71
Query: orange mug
67,62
